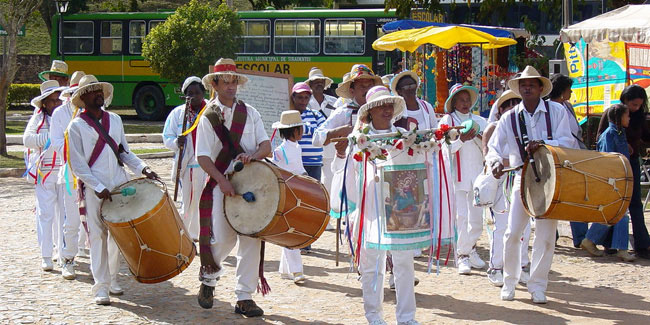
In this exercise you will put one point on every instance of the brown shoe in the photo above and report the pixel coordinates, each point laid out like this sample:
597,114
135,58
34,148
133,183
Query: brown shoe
591,248
205,296
248,308
625,256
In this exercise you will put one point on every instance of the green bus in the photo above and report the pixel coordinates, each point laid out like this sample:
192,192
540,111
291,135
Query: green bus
109,45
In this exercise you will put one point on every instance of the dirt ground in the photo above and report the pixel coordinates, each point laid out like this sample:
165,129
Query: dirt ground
581,290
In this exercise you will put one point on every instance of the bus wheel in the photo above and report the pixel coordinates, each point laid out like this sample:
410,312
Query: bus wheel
149,103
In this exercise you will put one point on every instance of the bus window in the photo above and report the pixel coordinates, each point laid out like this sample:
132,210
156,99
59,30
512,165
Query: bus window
111,38
256,38
344,36
78,37
154,23
136,36
297,36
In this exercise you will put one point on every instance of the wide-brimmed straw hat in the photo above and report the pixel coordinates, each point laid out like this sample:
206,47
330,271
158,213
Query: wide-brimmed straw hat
457,88
399,76
222,67
531,73
89,83
358,71
317,74
380,95
74,84
506,96
48,87
189,81
58,68
288,119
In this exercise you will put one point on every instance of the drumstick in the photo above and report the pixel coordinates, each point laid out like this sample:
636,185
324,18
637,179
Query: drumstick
395,134
248,196
127,191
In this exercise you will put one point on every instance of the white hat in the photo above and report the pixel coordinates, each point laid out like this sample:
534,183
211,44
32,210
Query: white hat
399,76
74,84
380,95
189,81
455,90
506,96
58,68
358,71
48,87
531,73
288,119
317,74
90,83
223,66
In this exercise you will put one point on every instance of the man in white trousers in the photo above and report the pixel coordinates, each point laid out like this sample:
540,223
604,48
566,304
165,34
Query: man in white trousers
97,160
192,177
543,123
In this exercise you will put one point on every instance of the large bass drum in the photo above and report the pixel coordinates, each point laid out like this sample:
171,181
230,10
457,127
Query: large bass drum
577,185
148,230
289,210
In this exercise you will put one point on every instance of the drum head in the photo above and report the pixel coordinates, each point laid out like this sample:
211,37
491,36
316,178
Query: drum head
538,196
250,218
126,208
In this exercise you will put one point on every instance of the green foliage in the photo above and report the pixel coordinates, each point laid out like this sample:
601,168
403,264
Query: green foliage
284,4
191,39
22,93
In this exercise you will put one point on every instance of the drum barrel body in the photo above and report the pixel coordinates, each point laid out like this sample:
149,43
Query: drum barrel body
577,185
155,245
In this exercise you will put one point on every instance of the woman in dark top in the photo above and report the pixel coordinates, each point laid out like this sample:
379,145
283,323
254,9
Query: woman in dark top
635,98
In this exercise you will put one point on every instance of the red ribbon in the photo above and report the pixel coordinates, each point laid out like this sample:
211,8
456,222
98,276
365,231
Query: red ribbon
225,67
363,207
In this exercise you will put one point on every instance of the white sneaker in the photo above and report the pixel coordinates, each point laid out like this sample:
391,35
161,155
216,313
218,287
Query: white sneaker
47,264
464,265
495,276
391,282
55,256
475,260
411,322
67,271
538,297
525,275
115,288
298,278
378,322
507,294
101,297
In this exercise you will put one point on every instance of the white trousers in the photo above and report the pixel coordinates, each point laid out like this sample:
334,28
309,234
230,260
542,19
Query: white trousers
71,224
290,261
192,184
326,173
223,241
104,253
469,222
497,240
49,206
372,267
543,245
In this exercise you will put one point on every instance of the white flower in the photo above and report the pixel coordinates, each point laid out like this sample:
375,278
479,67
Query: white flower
410,139
453,134
425,145
374,151
363,141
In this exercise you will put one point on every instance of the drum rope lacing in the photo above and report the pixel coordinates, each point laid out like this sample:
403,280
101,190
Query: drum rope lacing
608,180
299,204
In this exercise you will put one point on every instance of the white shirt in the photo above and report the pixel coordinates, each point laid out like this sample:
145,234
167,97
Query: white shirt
469,152
288,156
172,130
425,115
341,116
105,173
35,139
503,145
208,144
328,151
61,118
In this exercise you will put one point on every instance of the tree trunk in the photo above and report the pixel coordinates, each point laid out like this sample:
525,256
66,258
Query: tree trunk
47,10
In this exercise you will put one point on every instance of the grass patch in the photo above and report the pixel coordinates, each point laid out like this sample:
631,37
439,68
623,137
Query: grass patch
151,150
15,160
16,127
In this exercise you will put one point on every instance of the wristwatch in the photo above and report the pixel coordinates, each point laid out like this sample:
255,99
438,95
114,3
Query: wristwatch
146,170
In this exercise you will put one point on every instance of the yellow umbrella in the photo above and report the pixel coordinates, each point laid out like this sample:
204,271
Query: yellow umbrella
443,37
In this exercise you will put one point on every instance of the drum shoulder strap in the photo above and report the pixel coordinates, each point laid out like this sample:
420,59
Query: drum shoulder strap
518,139
547,115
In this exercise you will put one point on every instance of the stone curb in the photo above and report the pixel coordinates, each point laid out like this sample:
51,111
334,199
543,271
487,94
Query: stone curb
17,139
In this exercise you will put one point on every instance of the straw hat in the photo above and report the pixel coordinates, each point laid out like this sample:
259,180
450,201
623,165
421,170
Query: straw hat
380,95
74,84
189,81
506,96
48,87
455,89
399,76
385,79
317,74
300,87
90,83
358,71
288,119
531,73
223,66
58,68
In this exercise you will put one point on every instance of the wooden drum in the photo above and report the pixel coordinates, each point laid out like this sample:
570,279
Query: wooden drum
289,210
148,230
577,185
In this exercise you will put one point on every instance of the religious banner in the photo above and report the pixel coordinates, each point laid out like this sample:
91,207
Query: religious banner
639,64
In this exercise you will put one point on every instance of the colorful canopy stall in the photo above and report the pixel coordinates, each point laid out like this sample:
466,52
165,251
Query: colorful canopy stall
454,64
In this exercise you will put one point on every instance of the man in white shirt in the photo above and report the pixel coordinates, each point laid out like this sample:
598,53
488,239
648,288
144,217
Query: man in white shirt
97,160
508,143
244,130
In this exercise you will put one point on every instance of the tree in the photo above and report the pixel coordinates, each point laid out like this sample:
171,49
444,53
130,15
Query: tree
191,39
283,4
47,9
13,15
